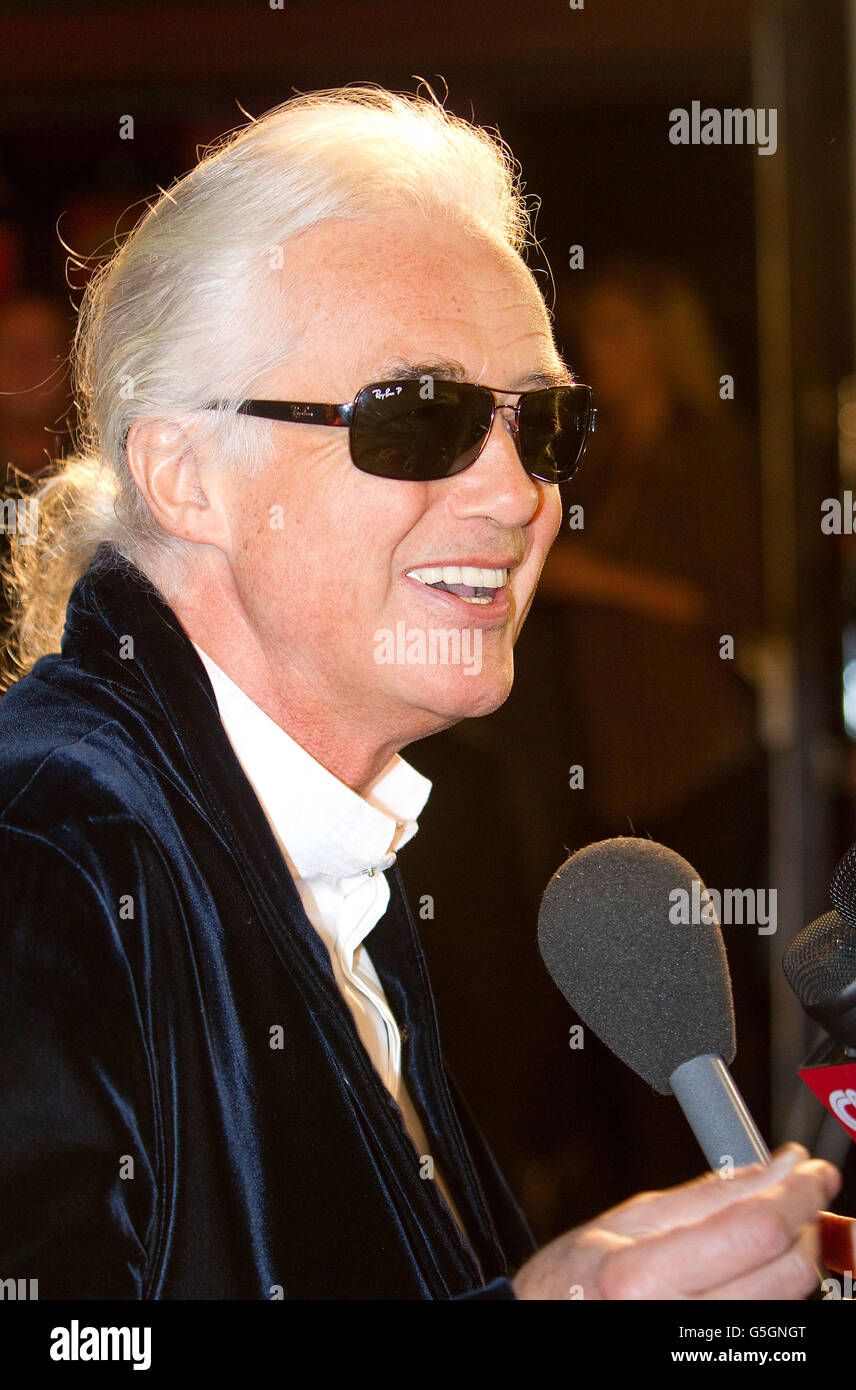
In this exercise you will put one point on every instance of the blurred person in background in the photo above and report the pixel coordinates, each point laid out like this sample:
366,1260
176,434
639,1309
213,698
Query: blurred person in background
35,333
34,393
667,564
665,570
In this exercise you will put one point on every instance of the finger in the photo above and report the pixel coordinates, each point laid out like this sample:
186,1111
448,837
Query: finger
792,1276
689,1260
694,1201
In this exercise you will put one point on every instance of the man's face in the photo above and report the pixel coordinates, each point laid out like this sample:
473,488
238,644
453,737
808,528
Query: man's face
322,553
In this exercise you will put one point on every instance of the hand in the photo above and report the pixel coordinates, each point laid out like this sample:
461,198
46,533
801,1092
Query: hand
752,1236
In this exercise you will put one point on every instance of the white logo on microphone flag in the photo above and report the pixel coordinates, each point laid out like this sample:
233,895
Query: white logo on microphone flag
839,1101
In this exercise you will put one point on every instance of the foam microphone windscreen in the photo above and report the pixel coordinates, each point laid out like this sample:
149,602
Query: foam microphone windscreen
625,930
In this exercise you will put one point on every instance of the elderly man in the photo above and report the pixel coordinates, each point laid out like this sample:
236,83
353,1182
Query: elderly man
323,423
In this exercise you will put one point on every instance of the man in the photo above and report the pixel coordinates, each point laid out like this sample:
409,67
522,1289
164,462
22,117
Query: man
223,1077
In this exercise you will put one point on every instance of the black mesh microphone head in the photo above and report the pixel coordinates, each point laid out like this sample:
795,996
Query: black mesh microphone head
655,989
842,889
820,965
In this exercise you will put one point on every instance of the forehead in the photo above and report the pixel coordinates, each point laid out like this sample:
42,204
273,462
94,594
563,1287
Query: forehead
398,287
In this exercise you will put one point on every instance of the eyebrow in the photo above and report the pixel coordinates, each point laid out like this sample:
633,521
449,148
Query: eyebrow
447,369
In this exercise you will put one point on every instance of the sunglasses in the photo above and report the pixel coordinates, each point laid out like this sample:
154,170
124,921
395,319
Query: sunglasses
424,429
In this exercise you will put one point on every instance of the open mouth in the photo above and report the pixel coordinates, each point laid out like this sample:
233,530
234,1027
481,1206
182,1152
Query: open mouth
471,584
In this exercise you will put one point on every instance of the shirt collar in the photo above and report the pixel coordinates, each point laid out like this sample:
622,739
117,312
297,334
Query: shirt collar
325,827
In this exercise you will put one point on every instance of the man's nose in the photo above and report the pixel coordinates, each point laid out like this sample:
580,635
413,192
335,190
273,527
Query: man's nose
497,485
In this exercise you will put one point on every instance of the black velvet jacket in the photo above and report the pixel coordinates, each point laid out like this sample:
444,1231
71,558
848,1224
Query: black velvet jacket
155,1142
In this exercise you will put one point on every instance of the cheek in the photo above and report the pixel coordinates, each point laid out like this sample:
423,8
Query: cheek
336,547
548,521
367,524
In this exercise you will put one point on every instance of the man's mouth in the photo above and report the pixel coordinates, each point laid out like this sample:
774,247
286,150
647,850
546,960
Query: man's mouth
466,581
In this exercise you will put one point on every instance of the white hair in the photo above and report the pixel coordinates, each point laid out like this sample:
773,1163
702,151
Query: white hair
183,313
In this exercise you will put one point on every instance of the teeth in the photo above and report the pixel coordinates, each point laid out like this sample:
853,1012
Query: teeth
461,574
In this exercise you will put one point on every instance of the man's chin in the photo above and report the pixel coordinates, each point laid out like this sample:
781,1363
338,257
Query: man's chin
450,696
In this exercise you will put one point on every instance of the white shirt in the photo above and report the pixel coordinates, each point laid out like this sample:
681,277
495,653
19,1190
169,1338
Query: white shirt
337,845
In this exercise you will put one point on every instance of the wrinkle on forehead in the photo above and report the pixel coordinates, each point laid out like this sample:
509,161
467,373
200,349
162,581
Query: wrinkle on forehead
446,369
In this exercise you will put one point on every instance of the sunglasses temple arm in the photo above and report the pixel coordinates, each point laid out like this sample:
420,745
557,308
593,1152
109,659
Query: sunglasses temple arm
297,413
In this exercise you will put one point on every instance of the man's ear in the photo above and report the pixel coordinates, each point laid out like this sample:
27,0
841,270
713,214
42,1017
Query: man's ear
185,499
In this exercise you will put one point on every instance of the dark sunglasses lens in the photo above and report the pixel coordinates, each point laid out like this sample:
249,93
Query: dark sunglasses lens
419,430
553,428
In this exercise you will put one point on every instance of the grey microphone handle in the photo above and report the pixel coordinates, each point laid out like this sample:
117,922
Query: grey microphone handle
717,1113
718,1117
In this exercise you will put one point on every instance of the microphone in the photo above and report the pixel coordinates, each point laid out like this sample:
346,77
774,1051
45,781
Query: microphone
657,994
820,966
